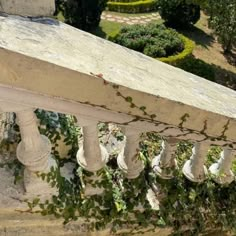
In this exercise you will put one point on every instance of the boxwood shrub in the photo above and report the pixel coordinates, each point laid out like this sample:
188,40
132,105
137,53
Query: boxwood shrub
130,6
186,53
154,40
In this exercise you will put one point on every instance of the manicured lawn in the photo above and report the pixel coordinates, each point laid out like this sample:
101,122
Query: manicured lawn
107,28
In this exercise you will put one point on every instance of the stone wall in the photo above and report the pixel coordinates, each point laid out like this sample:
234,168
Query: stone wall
28,7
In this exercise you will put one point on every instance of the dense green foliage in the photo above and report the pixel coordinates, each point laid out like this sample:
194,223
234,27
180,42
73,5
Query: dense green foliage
136,6
197,67
154,40
182,56
223,21
179,13
202,3
83,14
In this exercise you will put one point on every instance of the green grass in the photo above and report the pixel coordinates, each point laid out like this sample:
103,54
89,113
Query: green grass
60,17
106,29
110,28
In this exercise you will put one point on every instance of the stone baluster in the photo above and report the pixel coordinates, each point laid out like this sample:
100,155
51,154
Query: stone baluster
194,168
34,151
128,160
92,156
165,162
221,170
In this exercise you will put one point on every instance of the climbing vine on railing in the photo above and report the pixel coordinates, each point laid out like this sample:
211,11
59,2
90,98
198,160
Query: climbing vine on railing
61,130
189,208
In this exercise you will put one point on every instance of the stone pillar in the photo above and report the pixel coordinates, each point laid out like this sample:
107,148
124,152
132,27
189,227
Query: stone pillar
92,156
165,163
194,168
221,170
34,152
128,160
35,8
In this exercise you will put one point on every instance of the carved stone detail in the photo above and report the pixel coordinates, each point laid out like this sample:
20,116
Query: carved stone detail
34,152
221,170
194,168
165,162
128,160
91,156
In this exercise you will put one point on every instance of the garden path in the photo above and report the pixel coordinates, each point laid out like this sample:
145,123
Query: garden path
130,19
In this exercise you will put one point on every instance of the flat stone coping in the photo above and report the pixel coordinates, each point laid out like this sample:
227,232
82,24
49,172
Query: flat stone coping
49,57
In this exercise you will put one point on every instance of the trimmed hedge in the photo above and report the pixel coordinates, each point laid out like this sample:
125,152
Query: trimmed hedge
175,60
123,1
187,52
153,40
133,7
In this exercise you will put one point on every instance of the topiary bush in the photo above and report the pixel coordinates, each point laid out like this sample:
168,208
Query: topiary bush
182,56
179,13
82,14
153,40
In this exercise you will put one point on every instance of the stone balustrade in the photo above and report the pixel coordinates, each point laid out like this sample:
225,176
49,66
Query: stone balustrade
53,66
128,160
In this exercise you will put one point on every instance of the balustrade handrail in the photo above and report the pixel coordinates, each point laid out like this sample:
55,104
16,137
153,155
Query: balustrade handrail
55,62
49,65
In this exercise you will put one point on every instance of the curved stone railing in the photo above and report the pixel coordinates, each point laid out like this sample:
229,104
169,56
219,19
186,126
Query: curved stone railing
49,65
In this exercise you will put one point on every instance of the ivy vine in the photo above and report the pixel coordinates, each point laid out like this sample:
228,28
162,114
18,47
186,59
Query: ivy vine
189,208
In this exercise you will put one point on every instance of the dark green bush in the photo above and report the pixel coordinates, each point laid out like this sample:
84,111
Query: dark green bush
198,67
136,6
83,14
179,13
154,40
186,53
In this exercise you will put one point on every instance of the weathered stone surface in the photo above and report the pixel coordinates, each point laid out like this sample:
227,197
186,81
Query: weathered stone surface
28,7
16,221
69,66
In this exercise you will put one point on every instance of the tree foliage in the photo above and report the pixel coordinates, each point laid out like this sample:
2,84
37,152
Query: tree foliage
202,3
83,14
179,13
223,21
